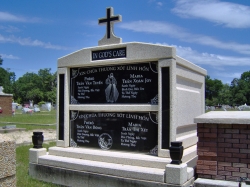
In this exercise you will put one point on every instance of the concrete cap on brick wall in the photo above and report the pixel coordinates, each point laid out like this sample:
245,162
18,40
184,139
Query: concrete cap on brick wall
224,117
5,138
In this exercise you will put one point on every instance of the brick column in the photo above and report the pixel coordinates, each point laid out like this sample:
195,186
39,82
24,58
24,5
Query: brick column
223,146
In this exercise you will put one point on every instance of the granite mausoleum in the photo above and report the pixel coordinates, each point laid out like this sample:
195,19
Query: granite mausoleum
120,105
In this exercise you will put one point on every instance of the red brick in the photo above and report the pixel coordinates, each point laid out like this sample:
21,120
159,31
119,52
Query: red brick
6,105
199,125
232,140
241,136
239,126
207,158
240,165
221,140
221,168
203,130
245,151
232,159
199,144
245,141
244,170
213,168
223,126
214,130
239,155
209,172
203,148
202,167
205,176
221,150
223,135
221,159
210,163
200,134
200,162
232,169
242,146
221,131
224,164
238,174
227,173
204,139
232,150
245,131
225,144
232,131
210,135
219,177
200,153
210,125
246,161
210,153
225,154
210,144
230,178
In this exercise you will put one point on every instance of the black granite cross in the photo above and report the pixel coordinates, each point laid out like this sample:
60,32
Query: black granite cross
109,19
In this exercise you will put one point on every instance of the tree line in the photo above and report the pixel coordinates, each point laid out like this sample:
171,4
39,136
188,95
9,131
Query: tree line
234,94
41,86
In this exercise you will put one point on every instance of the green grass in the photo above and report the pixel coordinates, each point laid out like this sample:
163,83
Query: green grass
37,120
22,168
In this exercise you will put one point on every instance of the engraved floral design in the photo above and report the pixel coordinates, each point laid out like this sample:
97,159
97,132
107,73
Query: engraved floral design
154,151
154,101
73,100
73,143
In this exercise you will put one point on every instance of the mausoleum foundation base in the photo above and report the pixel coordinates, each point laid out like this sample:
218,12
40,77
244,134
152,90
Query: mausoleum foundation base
91,167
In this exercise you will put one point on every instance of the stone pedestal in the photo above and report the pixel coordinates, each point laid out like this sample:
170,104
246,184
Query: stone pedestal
7,162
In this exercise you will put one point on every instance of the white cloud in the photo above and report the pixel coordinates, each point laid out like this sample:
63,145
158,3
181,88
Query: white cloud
30,42
159,4
175,31
214,60
221,67
9,57
7,17
9,28
228,14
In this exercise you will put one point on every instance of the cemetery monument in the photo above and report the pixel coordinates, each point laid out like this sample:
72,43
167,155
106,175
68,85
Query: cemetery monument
120,105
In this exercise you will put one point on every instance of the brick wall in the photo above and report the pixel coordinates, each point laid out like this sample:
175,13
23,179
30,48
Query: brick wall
223,151
5,103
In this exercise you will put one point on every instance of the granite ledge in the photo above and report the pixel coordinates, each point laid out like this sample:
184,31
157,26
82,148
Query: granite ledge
224,117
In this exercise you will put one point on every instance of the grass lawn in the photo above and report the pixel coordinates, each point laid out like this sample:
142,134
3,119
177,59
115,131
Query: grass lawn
39,120
22,168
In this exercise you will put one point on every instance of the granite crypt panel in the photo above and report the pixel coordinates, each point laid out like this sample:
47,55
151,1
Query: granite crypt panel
130,131
133,83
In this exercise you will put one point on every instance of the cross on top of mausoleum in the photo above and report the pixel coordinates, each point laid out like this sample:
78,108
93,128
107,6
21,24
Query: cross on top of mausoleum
109,21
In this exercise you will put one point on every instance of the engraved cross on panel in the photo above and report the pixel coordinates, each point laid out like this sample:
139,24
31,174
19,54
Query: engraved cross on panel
110,19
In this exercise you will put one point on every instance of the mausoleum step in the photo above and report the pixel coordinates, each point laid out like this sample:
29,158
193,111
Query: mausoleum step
120,170
133,159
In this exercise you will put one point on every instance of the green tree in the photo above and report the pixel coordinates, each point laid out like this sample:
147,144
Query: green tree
240,89
212,89
37,87
7,80
24,86
225,95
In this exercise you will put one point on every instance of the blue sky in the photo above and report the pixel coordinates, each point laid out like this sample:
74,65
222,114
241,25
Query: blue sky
213,34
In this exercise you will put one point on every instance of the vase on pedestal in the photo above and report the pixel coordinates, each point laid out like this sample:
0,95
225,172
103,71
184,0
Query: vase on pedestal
37,140
176,152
